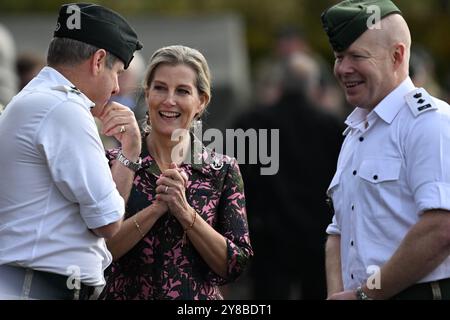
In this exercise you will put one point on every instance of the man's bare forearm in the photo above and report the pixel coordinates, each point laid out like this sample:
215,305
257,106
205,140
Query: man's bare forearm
333,264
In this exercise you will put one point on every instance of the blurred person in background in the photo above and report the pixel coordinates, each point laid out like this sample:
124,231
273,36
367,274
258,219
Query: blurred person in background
287,211
422,70
28,65
8,78
289,41
446,88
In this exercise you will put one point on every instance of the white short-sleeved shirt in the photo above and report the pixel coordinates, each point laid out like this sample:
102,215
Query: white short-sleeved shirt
55,182
394,165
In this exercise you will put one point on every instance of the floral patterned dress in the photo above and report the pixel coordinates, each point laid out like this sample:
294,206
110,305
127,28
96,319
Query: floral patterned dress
160,266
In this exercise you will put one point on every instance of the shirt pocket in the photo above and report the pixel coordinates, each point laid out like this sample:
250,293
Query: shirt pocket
334,182
380,170
380,186
333,199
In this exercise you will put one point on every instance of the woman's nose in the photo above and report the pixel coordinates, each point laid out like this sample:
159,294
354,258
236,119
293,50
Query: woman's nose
170,98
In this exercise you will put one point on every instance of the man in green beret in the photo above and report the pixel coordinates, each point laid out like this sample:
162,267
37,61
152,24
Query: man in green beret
58,199
389,236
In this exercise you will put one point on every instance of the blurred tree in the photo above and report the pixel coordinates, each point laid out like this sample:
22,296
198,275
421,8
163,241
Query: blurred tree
429,20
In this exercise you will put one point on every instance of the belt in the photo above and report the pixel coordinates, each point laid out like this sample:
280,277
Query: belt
25,283
435,290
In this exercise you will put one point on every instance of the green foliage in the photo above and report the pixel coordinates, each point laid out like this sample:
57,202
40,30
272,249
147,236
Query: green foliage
429,20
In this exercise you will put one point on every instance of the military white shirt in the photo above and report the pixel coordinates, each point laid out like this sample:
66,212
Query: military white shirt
394,165
55,182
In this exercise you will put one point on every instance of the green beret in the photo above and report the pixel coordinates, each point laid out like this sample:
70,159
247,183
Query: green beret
348,20
100,27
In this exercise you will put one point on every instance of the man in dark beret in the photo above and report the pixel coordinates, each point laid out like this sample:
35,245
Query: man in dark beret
58,198
389,235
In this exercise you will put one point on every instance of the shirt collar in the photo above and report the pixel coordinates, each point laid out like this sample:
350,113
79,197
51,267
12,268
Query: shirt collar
390,106
356,117
387,109
53,77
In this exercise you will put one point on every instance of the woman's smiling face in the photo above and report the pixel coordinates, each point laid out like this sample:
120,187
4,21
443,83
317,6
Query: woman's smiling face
173,98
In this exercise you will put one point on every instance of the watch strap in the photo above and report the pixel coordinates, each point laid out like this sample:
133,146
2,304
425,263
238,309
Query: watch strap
361,295
135,166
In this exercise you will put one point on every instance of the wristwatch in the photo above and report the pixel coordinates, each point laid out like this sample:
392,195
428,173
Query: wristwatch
135,166
361,295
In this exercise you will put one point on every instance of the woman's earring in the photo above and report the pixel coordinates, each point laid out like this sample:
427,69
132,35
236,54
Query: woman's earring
146,125
197,127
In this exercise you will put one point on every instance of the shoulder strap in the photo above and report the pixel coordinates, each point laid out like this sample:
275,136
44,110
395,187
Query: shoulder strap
420,101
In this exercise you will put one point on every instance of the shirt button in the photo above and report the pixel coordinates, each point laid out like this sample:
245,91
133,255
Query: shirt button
355,172
361,139
352,276
353,207
351,243
375,177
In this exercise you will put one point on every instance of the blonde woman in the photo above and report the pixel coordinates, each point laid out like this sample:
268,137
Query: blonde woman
186,230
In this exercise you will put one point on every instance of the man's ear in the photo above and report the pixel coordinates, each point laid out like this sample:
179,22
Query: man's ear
98,61
398,54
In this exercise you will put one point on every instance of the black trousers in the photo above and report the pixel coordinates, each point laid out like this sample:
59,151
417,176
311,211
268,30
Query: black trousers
17,283
435,290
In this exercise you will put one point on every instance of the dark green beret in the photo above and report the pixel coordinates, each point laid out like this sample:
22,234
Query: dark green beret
100,27
348,20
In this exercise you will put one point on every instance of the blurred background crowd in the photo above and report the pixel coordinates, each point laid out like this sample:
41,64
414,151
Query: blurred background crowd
272,69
